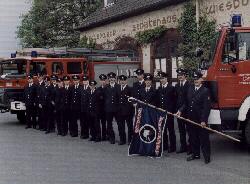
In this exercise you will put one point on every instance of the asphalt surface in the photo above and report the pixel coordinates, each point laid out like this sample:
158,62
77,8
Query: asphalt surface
31,157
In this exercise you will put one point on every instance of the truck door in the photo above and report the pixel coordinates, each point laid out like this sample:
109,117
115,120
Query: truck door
234,63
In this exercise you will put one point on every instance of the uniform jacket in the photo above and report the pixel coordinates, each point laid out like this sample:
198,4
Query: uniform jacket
39,88
76,98
84,99
137,86
30,95
198,104
93,102
181,93
46,95
58,98
111,98
102,97
166,98
125,108
148,97
66,98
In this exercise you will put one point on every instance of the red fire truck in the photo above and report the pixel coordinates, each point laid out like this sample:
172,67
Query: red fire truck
14,71
227,75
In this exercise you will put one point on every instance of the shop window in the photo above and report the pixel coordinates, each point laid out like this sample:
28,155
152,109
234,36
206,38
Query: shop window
57,68
161,64
74,67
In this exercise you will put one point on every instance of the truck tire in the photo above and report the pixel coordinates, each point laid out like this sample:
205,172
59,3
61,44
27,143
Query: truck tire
21,117
247,133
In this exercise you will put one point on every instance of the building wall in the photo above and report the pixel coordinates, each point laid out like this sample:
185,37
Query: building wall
219,10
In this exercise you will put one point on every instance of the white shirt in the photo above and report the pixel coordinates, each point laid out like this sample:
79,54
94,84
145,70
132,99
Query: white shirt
141,81
85,87
197,87
67,87
112,84
40,83
76,86
123,87
147,88
30,84
165,85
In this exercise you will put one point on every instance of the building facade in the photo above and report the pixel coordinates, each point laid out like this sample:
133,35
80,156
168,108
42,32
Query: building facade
115,25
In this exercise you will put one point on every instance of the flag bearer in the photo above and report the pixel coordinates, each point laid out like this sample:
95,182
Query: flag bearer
166,99
198,108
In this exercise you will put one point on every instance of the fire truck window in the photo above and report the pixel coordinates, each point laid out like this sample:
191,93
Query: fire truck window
74,68
13,68
230,51
244,46
57,68
37,67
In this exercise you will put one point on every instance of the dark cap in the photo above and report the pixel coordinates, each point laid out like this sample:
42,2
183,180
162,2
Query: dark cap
75,77
163,75
85,78
92,82
122,77
139,71
46,78
54,77
111,75
196,75
148,76
102,77
181,71
66,78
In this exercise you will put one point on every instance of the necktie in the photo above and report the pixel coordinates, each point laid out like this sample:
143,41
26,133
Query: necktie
181,84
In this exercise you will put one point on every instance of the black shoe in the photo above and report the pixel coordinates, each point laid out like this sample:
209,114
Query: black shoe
193,157
74,135
207,160
182,150
27,127
84,136
63,134
112,141
104,138
171,150
189,152
98,140
121,143
92,139
47,132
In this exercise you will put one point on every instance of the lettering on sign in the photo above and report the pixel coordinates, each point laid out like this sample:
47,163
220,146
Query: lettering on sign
226,6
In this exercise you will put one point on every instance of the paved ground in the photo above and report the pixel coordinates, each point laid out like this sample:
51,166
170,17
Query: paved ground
31,157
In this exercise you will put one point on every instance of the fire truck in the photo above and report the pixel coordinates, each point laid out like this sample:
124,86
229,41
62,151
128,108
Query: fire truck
14,70
227,76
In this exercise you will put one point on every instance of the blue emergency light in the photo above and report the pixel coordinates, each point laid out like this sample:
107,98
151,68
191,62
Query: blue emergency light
236,20
13,55
33,53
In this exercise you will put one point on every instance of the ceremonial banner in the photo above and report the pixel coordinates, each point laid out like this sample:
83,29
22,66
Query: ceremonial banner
148,132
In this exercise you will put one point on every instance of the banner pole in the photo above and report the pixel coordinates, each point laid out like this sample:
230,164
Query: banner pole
130,99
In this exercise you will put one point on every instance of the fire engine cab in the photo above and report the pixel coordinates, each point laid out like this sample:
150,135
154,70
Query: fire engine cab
14,71
227,75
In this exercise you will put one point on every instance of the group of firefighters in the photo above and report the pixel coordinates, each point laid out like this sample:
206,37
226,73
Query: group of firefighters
56,104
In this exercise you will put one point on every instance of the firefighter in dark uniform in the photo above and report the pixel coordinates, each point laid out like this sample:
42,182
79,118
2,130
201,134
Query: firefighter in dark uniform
58,106
30,103
111,105
46,105
66,102
93,110
125,110
181,89
54,79
166,100
102,115
84,116
39,88
75,106
147,94
137,86
198,108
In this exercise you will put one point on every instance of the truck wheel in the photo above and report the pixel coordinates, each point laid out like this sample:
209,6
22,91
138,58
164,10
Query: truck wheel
21,117
247,133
